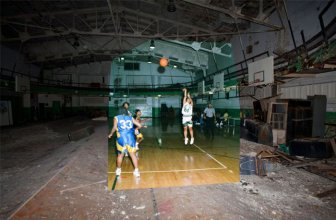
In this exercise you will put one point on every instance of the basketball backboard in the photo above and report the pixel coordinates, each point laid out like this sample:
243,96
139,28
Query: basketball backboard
201,87
218,81
261,72
22,84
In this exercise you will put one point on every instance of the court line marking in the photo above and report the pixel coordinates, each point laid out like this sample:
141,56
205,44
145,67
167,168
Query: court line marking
81,186
42,187
171,171
210,156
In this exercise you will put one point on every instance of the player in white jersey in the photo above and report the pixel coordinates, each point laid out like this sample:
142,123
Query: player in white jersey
187,111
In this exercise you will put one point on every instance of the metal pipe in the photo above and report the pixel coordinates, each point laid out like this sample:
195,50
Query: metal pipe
290,28
325,9
241,45
203,49
279,14
233,14
214,58
304,44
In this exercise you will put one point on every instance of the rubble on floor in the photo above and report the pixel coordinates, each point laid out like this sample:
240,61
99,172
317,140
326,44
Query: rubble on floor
78,190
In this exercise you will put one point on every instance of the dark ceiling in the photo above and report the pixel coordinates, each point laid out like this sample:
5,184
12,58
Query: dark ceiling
54,33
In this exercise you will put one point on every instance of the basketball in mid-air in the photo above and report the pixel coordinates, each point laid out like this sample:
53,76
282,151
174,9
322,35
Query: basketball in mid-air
163,62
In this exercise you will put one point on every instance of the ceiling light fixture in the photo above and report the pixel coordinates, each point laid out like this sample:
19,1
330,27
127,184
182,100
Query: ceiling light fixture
171,6
152,45
149,59
175,66
76,42
122,58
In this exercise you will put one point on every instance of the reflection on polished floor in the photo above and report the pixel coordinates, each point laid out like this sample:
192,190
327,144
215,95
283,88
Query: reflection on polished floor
171,163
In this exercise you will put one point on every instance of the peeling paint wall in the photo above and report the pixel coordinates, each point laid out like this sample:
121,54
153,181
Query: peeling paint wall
321,84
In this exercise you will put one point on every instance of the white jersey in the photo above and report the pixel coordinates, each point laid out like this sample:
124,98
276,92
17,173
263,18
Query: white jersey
187,110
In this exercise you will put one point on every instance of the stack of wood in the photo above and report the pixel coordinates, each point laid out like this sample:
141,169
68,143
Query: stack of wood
275,156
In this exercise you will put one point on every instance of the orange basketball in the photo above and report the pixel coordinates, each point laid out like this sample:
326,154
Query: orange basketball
164,62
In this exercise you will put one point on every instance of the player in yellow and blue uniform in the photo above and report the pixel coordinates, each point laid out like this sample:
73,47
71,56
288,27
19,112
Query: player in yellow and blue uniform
123,126
138,134
125,134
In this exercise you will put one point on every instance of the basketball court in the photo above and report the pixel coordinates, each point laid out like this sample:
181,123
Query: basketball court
172,163
164,160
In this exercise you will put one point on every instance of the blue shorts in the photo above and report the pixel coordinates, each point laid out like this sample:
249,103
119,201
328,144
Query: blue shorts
126,142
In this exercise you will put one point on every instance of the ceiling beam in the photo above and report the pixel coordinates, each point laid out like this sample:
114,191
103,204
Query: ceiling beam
129,35
174,22
234,14
204,49
108,10
112,16
63,12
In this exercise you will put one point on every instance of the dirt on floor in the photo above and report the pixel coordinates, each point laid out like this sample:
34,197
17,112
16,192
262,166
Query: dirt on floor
31,155
75,187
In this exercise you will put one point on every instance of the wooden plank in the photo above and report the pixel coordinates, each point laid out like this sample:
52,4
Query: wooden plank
269,113
332,173
330,124
288,156
304,163
284,156
333,144
270,156
326,193
323,167
299,75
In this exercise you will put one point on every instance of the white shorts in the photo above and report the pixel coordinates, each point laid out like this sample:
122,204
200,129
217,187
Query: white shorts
187,121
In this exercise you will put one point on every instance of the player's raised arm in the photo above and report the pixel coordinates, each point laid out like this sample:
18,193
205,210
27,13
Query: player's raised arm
185,95
191,101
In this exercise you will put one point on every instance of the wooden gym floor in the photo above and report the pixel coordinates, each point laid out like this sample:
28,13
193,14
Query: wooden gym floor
174,164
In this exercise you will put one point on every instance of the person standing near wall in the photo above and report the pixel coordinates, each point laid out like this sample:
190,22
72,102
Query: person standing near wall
187,117
126,105
210,119
123,124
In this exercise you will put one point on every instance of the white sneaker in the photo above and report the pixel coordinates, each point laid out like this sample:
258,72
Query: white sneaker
185,141
136,172
126,154
191,141
118,171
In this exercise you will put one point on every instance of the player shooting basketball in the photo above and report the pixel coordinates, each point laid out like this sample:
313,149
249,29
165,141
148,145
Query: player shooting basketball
187,117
